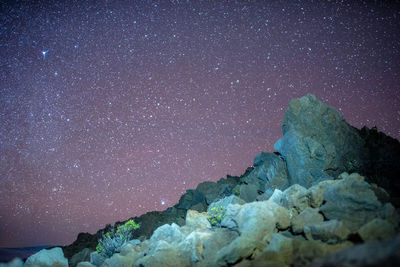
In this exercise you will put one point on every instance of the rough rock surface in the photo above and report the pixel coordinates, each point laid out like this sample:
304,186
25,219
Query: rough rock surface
385,253
377,229
317,143
306,217
271,170
84,255
351,201
47,258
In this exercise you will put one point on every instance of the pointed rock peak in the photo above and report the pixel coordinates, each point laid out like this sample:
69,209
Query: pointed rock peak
317,143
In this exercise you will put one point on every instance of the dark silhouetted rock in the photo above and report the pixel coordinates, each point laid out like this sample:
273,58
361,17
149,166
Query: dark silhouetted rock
382,163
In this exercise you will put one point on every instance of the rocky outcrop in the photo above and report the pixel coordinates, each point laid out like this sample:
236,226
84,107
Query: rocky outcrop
288,229
331,190
317,143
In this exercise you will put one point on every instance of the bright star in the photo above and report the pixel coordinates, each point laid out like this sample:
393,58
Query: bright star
44,53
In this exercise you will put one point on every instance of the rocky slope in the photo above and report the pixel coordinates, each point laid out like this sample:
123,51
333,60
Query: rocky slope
327,196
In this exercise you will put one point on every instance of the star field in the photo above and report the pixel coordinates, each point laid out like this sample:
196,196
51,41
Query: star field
110,109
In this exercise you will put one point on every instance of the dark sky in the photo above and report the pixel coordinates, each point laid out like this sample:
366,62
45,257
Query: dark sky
110,109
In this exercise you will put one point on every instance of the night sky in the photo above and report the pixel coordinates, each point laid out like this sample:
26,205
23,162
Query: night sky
110,109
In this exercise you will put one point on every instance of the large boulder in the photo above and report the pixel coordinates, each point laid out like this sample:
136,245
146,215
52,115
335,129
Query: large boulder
168,233
271,170
331,232
295,199
196,220
307,216
377,229
256,222
352,201
47,258
221,237
164,254
317,143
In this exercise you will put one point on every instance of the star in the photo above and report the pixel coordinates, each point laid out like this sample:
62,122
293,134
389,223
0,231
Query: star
44,53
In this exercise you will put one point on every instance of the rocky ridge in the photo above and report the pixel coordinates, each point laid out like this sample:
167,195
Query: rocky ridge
329,192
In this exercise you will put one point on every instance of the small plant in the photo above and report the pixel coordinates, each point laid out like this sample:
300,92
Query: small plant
236,191
216,215
113,241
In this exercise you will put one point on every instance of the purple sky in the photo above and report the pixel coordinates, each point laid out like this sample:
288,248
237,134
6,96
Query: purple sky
110,109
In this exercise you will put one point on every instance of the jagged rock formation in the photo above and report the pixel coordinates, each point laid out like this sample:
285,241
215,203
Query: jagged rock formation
296,207
292,228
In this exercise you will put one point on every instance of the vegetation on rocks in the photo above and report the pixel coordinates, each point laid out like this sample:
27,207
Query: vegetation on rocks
216,215
112,241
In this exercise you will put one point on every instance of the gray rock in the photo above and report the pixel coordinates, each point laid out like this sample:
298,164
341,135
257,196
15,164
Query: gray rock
277,197
249,192
271,170
282,246
196,220
384,253
225,202
389,213
169,233
307,216
351,201
96,259
295,199
84,255
317,143
163,254
121,260
47,258
17,262
256,222
284,251
85,264
193,245
316,192
220,238
229,220
132,245
329,231
377,229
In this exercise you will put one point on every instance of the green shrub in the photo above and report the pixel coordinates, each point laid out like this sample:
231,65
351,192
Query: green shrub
236,191
112,241
216,215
